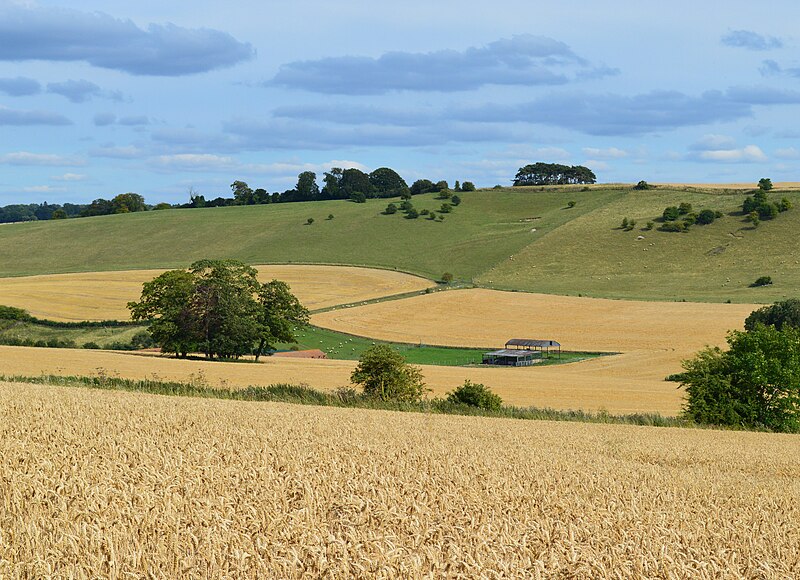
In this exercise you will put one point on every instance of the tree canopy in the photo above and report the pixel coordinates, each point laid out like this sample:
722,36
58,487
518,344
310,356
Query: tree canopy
780,314
385,375
219,308
754,384
553,174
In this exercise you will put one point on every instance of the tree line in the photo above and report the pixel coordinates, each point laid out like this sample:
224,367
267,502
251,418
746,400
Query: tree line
553,174
338,183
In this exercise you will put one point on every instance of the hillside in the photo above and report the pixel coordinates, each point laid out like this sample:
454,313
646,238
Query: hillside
522,239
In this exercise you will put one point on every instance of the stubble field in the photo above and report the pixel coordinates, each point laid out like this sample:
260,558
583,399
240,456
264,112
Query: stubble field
130,485
104,295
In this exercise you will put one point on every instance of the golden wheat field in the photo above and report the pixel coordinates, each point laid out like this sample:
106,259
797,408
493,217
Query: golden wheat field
125,485
654,337
598,384
104,295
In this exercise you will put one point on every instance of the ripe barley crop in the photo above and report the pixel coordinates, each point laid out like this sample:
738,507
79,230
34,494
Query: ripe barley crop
111,484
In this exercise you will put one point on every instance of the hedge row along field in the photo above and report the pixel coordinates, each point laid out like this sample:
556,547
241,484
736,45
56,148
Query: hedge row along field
125,484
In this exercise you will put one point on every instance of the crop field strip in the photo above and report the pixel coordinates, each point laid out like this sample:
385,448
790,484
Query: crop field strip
611,383
104,295
126,484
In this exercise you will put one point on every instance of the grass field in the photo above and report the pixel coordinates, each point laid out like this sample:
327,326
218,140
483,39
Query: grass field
104,295
523,238
116,484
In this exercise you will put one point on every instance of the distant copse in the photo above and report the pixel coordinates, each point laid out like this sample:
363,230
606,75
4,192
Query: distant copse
553,174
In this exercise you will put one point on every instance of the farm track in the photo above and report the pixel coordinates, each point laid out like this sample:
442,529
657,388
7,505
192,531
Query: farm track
104,295
111,484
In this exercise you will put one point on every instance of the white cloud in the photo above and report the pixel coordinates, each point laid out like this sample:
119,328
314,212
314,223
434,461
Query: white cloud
788,153
713,142
42,189
69,177
27,158
596,165
747,154
609,153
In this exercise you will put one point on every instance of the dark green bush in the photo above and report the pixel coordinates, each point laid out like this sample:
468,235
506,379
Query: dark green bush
780,314
475,395
671,213
762,281
705,217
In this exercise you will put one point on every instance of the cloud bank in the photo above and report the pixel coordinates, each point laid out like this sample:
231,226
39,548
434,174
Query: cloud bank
56,34
524,60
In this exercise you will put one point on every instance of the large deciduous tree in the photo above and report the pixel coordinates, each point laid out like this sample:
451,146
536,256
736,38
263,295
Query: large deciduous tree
553,174
219,308
387,182
385,375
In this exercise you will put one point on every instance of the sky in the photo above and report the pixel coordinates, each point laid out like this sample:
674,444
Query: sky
162,98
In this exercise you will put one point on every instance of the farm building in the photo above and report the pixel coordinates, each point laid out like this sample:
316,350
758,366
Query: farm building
522,352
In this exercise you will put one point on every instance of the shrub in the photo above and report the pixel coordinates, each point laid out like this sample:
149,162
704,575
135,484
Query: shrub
309,221
358,197
424,211
765,184
753,218
624,225
406,205
784,205
642,185
412,214
671,213
673,227
690,219
446,208
445,194
390,209
650,225
467,186
475,395
447,277
571,204
762,281
91,345
384,374
455,200
684,208
330,216
780,314
705,217
767,211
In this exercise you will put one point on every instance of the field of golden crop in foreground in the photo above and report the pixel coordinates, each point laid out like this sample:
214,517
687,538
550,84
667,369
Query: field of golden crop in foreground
103,295
111,484
619,384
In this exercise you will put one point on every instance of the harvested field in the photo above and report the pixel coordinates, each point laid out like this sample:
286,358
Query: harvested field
654,337
129,485
103,295
616,384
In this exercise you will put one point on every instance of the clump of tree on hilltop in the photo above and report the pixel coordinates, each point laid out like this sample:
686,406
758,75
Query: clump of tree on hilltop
219,308
553,174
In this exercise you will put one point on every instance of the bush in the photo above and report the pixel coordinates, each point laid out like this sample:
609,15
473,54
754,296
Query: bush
684,208
390,209
445,194
762,281
765,184
455,200
671,213
705,217
412,214
754,384
447,277
642,185
446,208
330,216
767,211
690,219
358,197
384,374
475,395
467,186
780,314
784,205
571,204
91,345
309,221
424,212
650,225
673,227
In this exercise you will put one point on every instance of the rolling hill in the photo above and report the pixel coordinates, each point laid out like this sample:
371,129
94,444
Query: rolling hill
522,239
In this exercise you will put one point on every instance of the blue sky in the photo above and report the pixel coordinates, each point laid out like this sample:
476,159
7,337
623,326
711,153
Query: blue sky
104,97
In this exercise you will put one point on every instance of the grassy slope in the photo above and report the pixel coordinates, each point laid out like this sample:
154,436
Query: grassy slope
579,250
592,256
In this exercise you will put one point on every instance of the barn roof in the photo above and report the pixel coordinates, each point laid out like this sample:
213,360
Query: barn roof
528,342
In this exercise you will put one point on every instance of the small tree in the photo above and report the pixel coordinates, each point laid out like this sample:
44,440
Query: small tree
753,218
671,213
309,221
384,374
756,383
330,216
780,314
642,185
684,208
358,197
447,277
571,204
390,209
762,281
705,217
475,395
765,184
467,186
446,208
455,200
